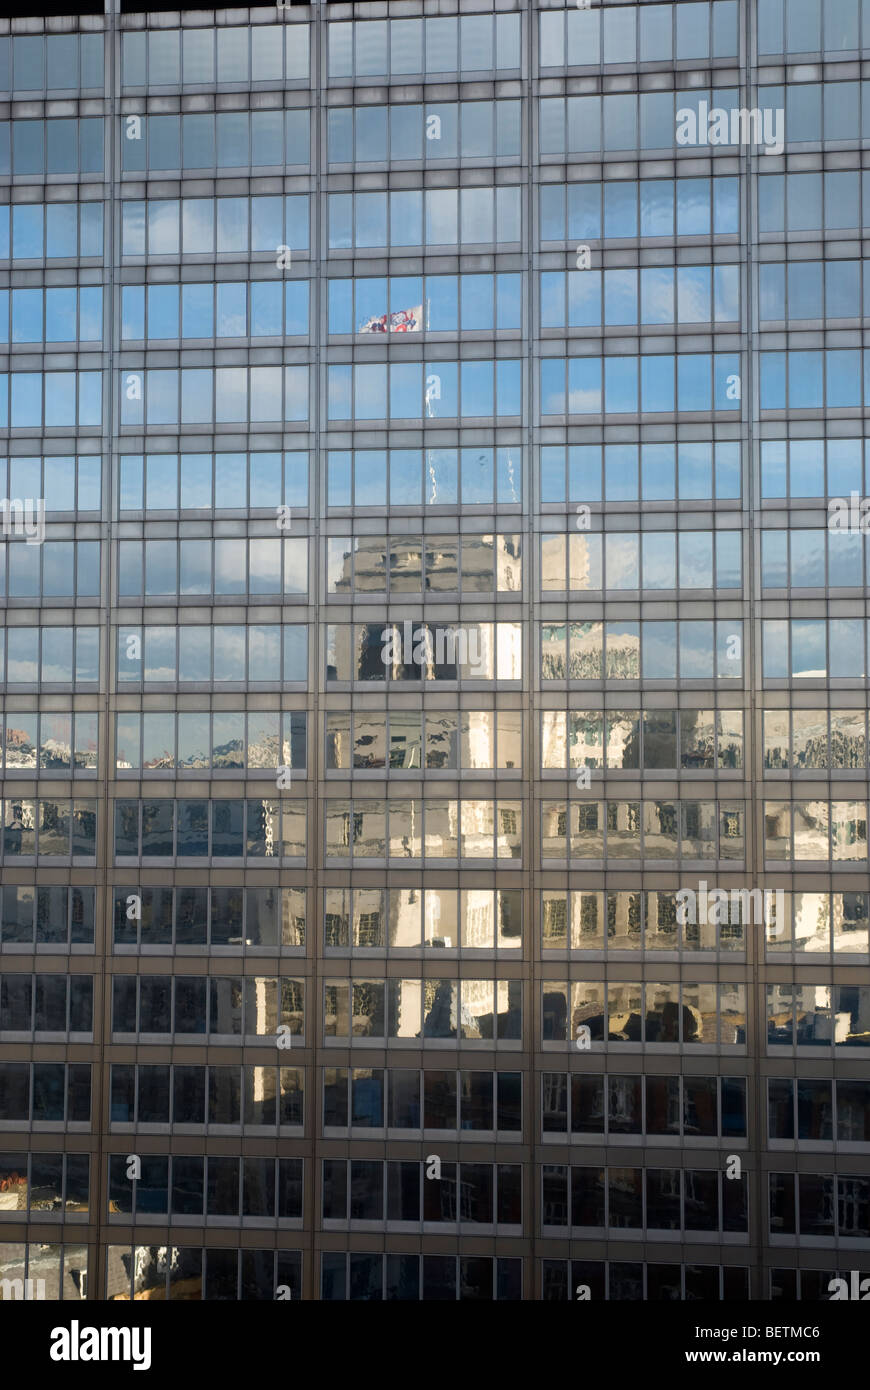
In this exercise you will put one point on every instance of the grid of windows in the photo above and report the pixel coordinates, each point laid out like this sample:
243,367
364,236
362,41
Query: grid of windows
680,1108
409,1278
564,1281
428,1011
197,915
194,482
193,1272
46,915
438,741
641,921
437,46
186,1097
431,217
247,829
433,545
221,1189
193,740
693,740
219,1006
38,1004
637,34
475,919
467,1103
40,1269
464,1195
54,1094
693,1201
39,1183
636,1013
676,829
805,1109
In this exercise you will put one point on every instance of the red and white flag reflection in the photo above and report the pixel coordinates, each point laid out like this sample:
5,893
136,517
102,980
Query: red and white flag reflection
401,321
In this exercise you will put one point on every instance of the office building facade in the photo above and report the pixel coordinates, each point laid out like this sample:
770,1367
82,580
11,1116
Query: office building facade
434,663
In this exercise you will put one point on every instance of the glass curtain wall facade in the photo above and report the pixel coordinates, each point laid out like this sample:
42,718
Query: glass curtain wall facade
434,663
